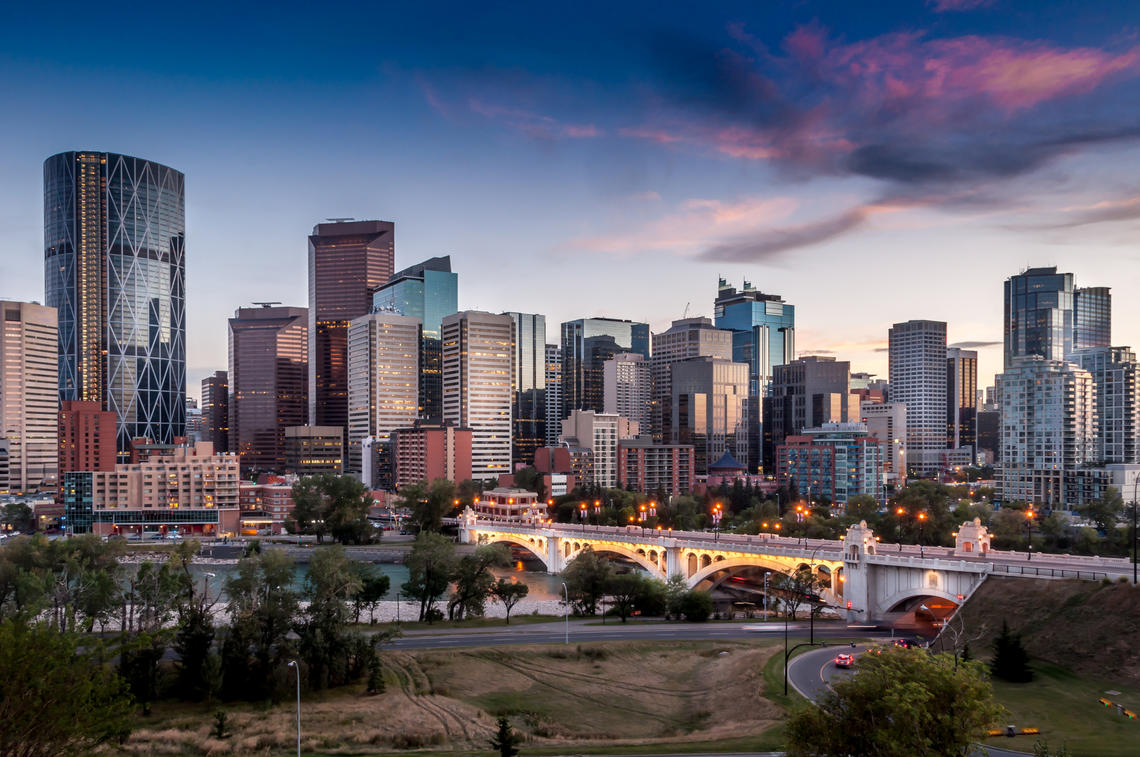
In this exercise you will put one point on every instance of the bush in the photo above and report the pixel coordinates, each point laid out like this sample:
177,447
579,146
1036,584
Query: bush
1010,661
695,606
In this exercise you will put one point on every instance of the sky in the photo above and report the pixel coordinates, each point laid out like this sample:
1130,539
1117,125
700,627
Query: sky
869,162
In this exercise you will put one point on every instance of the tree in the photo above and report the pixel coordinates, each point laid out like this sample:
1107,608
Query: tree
800,587
505,741
374,586
334,505
431,563
1010,661
1105,512
262,607
325,643
473,580
862,507
695,606
17,516
903,701
510,593
587,577
375,675
428,503
55,699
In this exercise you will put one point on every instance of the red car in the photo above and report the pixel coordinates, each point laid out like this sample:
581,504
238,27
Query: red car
844,660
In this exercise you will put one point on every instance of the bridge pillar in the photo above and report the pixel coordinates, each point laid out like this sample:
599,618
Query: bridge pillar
467,525
673,566
555,561
858,542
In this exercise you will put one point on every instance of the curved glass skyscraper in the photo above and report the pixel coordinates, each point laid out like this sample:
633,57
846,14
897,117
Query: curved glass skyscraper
115,268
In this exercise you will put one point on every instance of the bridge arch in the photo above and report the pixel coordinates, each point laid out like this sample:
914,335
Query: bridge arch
517,541
625,552
891,603
728,563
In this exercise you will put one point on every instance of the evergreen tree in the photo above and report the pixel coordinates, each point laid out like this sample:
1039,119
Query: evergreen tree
1010,661
505,740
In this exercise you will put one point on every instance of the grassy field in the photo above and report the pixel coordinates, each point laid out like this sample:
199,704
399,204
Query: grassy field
1065,707
619,697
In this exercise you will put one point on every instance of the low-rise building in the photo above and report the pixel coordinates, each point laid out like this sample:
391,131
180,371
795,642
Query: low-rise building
510,504
647,468
313,450
188,489
837,461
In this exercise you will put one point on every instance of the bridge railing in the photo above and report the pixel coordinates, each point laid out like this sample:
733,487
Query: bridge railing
1050,572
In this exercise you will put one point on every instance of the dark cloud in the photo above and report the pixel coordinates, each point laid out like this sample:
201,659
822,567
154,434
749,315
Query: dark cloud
1128,210
771,242
973,345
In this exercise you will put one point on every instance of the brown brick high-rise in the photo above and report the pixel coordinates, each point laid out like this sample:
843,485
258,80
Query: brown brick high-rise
347,260
86,437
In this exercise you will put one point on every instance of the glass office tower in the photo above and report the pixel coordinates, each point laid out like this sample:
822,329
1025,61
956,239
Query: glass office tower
428,291
1039,315
347,260
115,269
764,336
1092,316
528,408
587,344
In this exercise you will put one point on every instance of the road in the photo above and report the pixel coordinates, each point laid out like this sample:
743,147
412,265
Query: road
583,632
812,672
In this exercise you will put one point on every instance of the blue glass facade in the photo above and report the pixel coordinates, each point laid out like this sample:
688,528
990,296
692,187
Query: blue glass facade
763,330
115,269
1039,315
428,291
587,344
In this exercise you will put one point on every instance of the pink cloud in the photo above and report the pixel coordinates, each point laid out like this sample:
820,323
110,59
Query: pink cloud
533,124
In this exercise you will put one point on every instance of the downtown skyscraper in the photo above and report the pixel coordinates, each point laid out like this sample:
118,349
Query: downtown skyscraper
587,343
29,397
478,386
115,269
917,363
347,260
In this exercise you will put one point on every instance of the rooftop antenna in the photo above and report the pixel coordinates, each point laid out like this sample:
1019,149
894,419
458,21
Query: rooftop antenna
267,304
339,220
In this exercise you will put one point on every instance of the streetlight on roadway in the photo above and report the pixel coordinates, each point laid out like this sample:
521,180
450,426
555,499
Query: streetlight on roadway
566,613
716,512
293,664
1029,516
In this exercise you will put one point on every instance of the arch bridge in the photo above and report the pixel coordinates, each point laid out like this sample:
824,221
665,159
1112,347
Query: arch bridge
868,579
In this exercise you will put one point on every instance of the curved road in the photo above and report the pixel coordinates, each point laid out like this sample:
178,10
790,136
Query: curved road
812,672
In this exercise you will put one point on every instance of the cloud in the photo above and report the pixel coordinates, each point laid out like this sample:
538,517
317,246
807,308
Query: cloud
974,345
688,227
771,242
1109,211
531,123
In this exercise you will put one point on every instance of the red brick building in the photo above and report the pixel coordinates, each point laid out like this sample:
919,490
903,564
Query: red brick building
87,439
427,452
647,467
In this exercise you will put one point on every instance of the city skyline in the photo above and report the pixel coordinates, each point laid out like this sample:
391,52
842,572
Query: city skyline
622,164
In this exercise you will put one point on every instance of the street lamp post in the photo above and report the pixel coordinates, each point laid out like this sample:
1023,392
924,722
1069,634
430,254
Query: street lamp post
566,613
293,664
1029,516
1135,481
922,534
716,512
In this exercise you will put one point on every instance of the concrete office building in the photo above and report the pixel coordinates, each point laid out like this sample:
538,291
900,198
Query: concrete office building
428,452
528,405
175,488
627,387
86,437
961,398
685,338
478,386
886,421
1114,373
763,336
216,410
428,291
553,398
587,344
314,450
1048,431
115,270
918,379
29,396
599,433
1092,317
347,261
269,349
383,389
648,468
710,398
806,393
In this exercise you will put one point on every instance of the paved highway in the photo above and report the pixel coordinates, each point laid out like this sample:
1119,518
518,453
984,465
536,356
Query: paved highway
812,672
584,632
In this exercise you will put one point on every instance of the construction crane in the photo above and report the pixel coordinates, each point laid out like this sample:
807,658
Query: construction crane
267,304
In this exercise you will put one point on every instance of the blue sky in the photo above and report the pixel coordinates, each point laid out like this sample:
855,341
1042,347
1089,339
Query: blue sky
871,162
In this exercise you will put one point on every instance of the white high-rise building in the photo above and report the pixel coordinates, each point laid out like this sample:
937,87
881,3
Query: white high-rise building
918,380
886,421
29,396
478,386
1048,431
599,433
553,394
383,386
626,387
1115,374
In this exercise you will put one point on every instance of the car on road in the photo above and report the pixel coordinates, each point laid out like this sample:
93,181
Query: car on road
905,643
844,660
